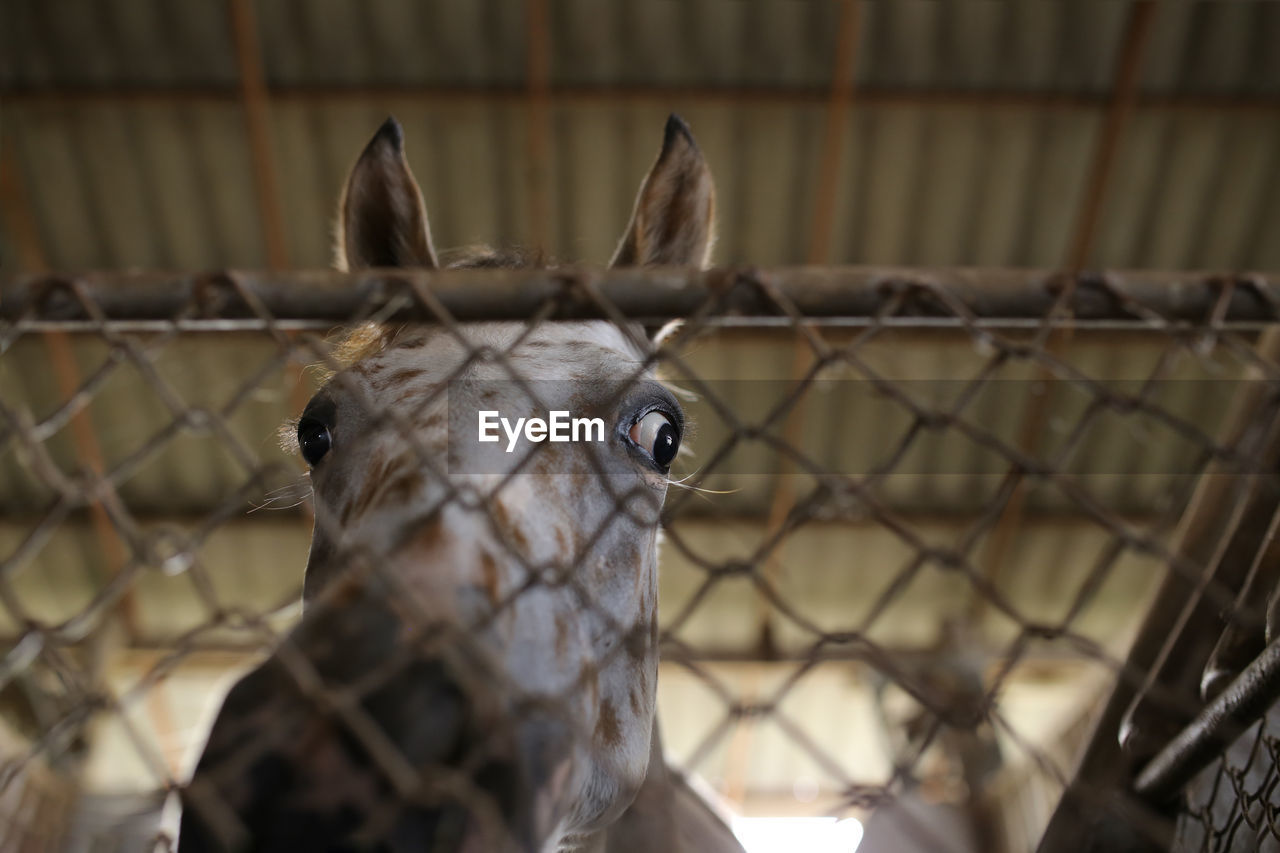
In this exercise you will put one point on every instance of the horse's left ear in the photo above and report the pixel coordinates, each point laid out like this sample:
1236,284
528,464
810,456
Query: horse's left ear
673,222
382,221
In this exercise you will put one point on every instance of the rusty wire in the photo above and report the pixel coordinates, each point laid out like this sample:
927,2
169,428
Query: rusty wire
139,320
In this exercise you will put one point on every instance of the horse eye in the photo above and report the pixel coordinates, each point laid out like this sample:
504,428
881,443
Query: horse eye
657,436
313,439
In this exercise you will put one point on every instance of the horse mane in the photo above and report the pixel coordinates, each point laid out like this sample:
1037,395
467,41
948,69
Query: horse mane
368,338
356,344
480,257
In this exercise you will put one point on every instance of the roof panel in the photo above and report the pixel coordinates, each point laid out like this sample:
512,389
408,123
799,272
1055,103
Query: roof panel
1235,197
1264,251
1197,47
1188,173
121,187
1214,48
1006,161
48,153
1056,187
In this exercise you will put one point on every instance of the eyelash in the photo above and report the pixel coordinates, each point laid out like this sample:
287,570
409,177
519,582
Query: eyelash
658,443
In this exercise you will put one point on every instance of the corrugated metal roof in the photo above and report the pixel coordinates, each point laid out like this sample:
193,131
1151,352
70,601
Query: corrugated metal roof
914,44
158,187
934,180
970,140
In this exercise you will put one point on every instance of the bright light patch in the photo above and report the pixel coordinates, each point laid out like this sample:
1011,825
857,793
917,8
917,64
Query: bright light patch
790,834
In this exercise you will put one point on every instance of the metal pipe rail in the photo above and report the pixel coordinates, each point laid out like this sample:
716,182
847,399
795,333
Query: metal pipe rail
1241,704
250,299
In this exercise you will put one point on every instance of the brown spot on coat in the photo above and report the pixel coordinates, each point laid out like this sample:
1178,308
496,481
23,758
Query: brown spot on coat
562,635
403,487
406,395
608,729
638,640
433,420
543,465
400,377
430,536
489,571
508,527
347,593
368,488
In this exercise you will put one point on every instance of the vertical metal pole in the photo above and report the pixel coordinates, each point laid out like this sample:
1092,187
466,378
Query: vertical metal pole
538,129
257,122
1124,93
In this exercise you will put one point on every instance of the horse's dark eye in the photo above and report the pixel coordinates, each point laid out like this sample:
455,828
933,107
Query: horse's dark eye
657,436
313,439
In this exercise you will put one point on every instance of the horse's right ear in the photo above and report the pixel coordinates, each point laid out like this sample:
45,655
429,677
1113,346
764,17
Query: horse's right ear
382,220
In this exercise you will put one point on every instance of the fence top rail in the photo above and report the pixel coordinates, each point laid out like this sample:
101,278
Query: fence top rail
252,299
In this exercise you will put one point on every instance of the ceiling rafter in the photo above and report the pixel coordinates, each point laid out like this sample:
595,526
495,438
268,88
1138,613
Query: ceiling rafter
316,95
1120,107
1124,96
255,99
538,127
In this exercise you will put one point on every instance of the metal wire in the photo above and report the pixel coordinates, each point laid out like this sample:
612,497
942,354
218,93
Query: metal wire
943,709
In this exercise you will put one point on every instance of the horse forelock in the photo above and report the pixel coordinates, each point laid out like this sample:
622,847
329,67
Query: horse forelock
368,339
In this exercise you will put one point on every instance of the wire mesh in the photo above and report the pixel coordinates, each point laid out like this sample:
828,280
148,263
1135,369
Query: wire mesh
1232,804
925,517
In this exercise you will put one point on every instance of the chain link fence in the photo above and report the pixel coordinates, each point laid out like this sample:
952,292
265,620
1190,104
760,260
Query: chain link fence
940,531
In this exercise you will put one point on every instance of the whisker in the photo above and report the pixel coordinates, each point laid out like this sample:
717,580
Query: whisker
268,505
682,484
287,487
704,491
686,394
297,492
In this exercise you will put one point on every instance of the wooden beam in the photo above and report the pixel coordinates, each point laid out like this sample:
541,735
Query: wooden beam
1120,107
587,96
840,102
538,121
256,102
835,122
1124,91
19,219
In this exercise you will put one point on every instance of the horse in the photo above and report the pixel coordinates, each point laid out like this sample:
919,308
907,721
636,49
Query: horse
476,666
